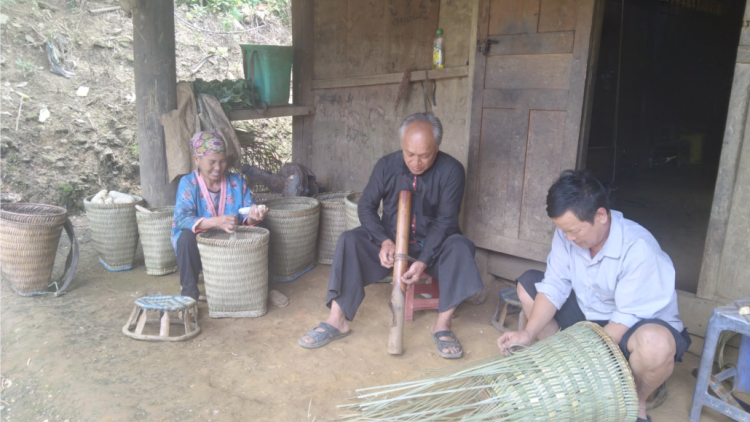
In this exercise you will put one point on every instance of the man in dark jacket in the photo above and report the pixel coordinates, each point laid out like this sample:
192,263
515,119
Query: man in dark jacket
365,255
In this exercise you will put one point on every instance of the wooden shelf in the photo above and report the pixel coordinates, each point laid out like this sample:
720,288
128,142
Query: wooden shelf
271,112
390,78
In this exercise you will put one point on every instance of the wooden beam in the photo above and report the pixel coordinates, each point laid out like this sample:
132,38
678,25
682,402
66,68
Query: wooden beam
302,71
736,133
271,112
155,93
390,78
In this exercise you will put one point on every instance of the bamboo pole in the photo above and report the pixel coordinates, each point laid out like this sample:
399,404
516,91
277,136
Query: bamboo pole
401,265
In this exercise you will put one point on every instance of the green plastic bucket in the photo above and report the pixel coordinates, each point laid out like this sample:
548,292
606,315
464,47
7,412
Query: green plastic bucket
273,71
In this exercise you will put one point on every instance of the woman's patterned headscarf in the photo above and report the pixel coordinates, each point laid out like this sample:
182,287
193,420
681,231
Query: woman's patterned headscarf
207,143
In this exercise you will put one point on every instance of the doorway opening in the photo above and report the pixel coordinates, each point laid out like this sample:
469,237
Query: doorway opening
663,80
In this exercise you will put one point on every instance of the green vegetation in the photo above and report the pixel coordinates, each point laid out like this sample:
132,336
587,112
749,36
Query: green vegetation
134,150
200,7
26,67
67,195
232,94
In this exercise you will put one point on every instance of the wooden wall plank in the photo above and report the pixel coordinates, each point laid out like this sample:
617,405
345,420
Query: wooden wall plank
513,17
548,43
558,15
545,146
455,21
500,181
547,99
534,251
410,31
365,53
474,127
330,38
548,71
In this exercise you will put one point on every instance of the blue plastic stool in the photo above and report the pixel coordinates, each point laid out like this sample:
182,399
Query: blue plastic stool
507,297
724,318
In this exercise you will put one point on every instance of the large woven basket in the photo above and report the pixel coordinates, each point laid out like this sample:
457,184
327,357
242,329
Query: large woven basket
576,375
235,272
114,231
262,198
29,235
293,222
332,223
352,218
155,230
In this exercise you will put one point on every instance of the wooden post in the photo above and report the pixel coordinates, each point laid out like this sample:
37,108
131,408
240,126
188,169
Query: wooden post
302,71
396,339
156,93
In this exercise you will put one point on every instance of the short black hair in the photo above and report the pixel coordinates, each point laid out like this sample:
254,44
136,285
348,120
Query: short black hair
578,192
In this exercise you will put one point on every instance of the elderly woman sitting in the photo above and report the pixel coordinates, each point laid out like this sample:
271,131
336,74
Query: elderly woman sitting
208,198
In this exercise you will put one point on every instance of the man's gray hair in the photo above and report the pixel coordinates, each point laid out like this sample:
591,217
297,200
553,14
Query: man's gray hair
437,128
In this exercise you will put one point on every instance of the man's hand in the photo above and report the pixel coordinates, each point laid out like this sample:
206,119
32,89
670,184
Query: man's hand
414,273
228,223
387,252
505,341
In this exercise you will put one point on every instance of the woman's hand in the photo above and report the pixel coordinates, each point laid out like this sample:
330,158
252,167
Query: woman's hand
228,223
256,214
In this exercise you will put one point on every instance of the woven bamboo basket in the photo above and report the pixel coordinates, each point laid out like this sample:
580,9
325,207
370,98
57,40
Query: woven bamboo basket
332,223
262,198
155,230
235,272
576,375
29,235
293,222
114,231
352,218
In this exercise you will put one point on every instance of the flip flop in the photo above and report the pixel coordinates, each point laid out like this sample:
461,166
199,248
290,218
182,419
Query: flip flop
443,344
321,338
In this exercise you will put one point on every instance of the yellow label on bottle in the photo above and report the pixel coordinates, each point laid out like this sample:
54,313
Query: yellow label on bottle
437,58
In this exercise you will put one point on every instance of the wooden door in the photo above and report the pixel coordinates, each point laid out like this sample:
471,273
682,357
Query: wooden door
528,105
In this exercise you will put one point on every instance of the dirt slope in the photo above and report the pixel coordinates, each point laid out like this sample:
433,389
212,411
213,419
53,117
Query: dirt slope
88,142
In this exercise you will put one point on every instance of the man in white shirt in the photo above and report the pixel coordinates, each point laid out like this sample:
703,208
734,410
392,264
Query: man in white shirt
608,270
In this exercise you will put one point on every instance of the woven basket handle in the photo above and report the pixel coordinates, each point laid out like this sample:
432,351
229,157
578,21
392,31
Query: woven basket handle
71,263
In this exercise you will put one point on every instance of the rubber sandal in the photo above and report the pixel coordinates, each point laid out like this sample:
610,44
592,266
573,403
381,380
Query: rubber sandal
644,420
443,344
321,338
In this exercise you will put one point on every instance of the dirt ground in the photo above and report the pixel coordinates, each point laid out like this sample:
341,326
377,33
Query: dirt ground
65,358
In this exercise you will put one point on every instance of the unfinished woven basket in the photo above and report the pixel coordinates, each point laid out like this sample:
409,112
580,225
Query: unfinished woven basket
577,375
155,231
352,218
29,235
293,222
332,223
114,231
235,272
262,198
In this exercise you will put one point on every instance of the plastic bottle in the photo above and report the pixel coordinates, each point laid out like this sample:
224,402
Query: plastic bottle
438,58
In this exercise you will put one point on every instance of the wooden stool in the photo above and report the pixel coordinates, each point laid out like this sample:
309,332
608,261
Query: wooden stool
507,297
432,287
164,304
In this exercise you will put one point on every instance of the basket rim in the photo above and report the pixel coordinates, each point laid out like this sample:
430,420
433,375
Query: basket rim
59,215
87,203
261,237
45,225
156,213
313,203
349,202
